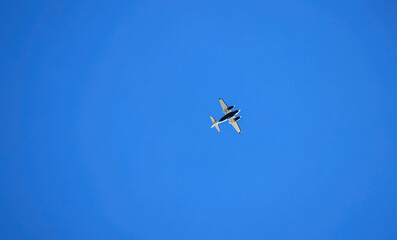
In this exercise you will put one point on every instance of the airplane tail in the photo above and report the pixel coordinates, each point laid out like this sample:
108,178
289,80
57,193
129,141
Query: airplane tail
215,124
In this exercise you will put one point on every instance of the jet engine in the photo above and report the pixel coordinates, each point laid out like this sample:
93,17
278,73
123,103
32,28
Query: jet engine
230,108
237,118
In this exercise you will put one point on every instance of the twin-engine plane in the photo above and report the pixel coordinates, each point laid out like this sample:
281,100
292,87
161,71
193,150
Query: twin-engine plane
229,115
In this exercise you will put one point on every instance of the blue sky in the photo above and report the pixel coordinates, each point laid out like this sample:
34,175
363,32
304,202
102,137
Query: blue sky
106,131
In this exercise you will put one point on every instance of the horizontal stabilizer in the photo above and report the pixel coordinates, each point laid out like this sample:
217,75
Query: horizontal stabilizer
215,124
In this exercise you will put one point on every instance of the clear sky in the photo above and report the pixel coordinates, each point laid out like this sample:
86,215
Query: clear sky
105,128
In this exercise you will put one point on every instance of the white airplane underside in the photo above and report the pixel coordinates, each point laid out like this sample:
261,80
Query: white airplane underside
230,116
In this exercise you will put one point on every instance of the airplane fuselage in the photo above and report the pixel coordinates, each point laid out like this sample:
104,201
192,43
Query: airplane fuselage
228,116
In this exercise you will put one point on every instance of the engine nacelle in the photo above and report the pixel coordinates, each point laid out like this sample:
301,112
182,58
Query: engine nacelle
237,118
230,108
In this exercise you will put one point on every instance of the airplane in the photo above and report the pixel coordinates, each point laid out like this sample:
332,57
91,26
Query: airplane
229,115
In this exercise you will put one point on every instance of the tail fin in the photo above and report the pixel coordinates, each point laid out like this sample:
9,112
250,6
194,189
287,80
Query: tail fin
215,124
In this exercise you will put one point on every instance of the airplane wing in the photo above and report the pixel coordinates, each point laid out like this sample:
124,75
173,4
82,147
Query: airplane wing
224,106
235,125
